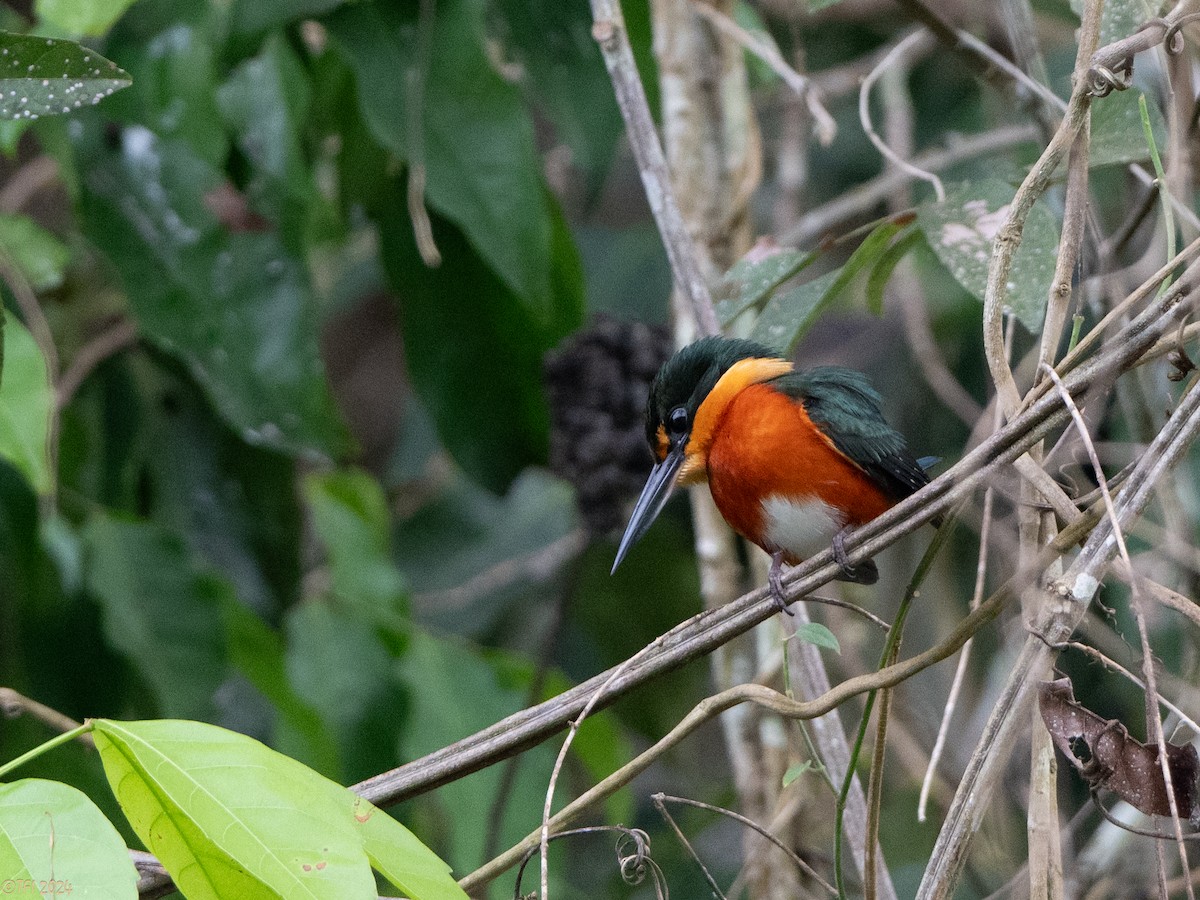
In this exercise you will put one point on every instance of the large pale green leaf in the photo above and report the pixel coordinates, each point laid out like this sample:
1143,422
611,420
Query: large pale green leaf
42,76
236,308
33,251
86,17
153,596
961,232
54,837
229,817
402,859
25,403
483,171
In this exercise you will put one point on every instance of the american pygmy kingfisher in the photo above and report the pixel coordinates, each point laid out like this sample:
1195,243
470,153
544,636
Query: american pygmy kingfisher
794,458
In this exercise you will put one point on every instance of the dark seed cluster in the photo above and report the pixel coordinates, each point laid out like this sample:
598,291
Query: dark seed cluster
598,381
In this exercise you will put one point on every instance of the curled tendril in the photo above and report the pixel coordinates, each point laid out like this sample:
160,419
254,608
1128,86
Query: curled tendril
633,865
1173,40
1105,80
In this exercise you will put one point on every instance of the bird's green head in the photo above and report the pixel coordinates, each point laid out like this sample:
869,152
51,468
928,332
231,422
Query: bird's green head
686,398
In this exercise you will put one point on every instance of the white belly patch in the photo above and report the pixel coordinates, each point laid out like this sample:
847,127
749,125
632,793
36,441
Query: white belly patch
800,527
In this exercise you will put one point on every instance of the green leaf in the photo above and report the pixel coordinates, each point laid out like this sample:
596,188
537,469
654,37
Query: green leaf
1117,134
482,167
338,662
474,348
1119,18
229,817
159,610
402,859
754,277
256,651
174,80
466,531
564,73
26,399
350,515
789,315
85,17
34,252
795,771
235,308
49,77
885,265
961,231
455,691
265,102
817,634
52,835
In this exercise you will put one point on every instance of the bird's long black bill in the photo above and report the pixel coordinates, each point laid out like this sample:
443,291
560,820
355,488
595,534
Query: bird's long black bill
653,497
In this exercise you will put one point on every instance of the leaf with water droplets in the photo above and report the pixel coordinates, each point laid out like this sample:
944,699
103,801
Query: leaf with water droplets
48,77
787,316
962,229
755,276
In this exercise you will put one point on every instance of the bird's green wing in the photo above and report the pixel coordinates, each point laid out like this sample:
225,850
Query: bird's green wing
842,403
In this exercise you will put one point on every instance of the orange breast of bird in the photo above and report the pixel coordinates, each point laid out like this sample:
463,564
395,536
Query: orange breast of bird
765,446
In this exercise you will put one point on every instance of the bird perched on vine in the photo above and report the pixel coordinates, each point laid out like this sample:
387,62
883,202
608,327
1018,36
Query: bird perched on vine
794,458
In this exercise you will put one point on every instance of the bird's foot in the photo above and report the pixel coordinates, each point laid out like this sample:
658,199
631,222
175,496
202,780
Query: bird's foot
839,553
775,579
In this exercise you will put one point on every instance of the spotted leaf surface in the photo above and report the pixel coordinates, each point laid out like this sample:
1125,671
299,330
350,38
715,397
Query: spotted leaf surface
963,229
48,77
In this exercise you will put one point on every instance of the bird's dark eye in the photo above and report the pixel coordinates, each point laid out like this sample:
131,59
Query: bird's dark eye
677,421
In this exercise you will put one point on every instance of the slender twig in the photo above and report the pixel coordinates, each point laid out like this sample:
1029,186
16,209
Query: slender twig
964,657
764,48
415,79
1144,833
119,336
1069,598
862,199
609,31
13,704
562,756
916,43
719,894
1109,663
660,800
1008,238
